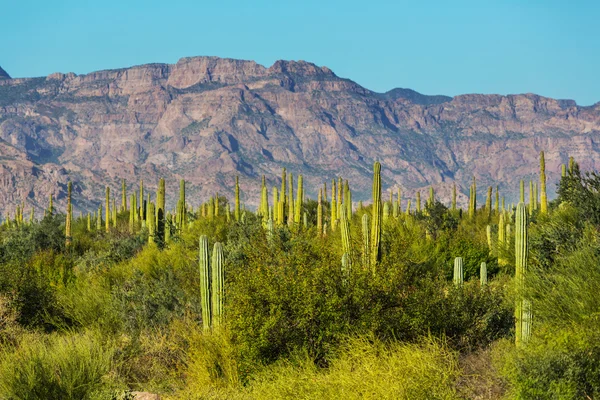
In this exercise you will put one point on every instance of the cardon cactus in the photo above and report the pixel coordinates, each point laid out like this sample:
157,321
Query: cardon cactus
346,266
99,218
159,209
299,196
107,211
290,200
123,196
142,204
418,201
320,213
205,283
132,214
483,274
151,223
386,211
454,196
544,195
376,217
366,258
458,272
345,233
490,240
333,205
523,307
68,222
501,240
348,200
237,209
218,285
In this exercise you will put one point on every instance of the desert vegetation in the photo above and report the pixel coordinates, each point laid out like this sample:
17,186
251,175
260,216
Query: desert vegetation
306,298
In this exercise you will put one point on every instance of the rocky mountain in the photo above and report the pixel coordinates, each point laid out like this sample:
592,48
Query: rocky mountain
3,74
208,119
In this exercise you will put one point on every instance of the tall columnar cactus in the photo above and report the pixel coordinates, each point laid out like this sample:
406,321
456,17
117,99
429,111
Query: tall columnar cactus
386,211
340,197
458,272
544,195
132,214
182,217
376,217
490,240
522,191
89,222
123,196
236,210
418,201
399,200
345,231
282,193
290,200
431,196
348,200
264,200
497,202
454,196
114,213
563,170
523,307
366,258
535,196
107,211
333,206
320,213
408,207
488,202
270,230
501,240
483,274
99,218
151,223
218,285
50,206
205,283
160,210
168,225
134,209
142,204
531,198
299,198
571,165
395,209
69,214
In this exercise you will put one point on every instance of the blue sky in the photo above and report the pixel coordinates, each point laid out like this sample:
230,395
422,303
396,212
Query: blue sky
547,47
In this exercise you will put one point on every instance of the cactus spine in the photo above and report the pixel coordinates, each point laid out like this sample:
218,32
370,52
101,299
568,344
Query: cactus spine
523,307
376,217
544,195
366,246
483,274
218,285
205,274
458,272
69,214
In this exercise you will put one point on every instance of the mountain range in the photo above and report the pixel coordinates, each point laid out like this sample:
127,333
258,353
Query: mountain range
208,119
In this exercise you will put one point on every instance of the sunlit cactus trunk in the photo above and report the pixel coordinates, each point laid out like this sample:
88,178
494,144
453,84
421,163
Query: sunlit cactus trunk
107,211
454,196
544,195
376,217
320,213
333,206
523,306
366,258
69,220
159,211
236,210
123,196
299,198
205,283
290,200
458,272
418,200
151,223
483,278
218,285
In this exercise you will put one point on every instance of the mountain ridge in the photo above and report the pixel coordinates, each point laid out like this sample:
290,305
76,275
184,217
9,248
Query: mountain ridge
207,119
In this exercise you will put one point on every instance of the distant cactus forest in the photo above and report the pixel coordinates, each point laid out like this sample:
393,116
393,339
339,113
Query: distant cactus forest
305,298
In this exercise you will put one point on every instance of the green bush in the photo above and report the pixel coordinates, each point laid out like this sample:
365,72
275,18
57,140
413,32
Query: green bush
55,367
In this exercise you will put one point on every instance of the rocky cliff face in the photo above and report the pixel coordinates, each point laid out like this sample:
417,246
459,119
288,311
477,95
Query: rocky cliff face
208,119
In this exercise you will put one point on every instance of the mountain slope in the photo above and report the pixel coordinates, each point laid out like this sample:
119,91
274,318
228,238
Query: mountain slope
207,119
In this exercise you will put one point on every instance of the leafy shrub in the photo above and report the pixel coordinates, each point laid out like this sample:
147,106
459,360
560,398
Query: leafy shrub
55,367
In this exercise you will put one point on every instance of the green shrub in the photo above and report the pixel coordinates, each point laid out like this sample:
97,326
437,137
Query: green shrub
55,367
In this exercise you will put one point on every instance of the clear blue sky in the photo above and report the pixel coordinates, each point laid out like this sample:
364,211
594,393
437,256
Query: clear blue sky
548,47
